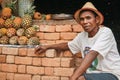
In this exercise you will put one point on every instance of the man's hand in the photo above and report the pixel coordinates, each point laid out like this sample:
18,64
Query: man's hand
40,49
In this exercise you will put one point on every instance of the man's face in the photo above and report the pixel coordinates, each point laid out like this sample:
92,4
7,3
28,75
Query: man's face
88,21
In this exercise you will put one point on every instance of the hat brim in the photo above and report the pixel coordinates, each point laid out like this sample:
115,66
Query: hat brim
77,18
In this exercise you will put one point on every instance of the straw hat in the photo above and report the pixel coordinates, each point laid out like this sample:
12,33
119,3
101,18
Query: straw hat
88,6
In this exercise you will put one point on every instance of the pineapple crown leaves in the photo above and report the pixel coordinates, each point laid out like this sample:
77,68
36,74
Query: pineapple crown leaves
12,5
36,27
43,16
30,10
13,17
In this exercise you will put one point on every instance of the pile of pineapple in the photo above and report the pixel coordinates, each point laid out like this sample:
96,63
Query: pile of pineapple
17,30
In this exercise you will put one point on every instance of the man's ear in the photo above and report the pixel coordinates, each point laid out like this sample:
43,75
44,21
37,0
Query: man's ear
97,19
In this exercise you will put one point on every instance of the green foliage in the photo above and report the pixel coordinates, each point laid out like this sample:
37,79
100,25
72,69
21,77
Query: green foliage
12,5
30,10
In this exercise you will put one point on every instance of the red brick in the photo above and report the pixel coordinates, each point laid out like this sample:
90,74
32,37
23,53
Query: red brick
0,50
37,61
22,77
63,28
10,76
43,41
61,41
40,35
60,53
67,53
36,22
9,67
23,60
78,55
51,53
63,71
68,35
77,28
31,66
47,41
64,78
50,78
35,70
10,59
2,58
52,36
36,77
22,51
51,62
67,62
21,68
47,28
13,51
50,42
2,76
0,67
31,52
49,71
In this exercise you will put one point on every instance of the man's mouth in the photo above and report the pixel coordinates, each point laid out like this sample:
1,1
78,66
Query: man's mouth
86,27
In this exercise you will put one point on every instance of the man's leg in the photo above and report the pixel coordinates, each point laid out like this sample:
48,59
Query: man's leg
100,76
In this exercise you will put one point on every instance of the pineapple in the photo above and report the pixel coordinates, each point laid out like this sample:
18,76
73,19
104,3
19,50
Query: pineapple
3,31
33,41
13,40
20,32
2,21
26,21
6,13
0,34
17,22
4,40
11,32
30,31
22,40
8,9
8,23
27,18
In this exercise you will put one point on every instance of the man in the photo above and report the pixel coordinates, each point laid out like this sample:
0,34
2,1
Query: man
101,60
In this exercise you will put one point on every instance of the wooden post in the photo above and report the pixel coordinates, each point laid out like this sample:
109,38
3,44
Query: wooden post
23,6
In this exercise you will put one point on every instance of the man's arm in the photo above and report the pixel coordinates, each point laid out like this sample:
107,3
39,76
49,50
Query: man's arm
87,61
43,48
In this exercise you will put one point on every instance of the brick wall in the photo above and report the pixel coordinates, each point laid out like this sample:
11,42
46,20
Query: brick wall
23,64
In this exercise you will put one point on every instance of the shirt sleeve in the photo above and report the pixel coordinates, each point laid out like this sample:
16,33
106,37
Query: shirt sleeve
104,43
75,44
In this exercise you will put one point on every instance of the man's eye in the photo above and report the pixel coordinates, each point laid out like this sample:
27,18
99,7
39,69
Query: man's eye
81,19
88,17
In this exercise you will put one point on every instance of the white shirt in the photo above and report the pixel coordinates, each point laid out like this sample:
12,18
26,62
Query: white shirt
104,43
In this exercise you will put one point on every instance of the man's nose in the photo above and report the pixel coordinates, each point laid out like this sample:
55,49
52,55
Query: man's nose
85,21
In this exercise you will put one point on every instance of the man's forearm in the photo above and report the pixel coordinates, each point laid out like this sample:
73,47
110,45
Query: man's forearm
60,46
85,64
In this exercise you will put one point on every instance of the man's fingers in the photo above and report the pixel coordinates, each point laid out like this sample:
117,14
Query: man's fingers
39,52
37,48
